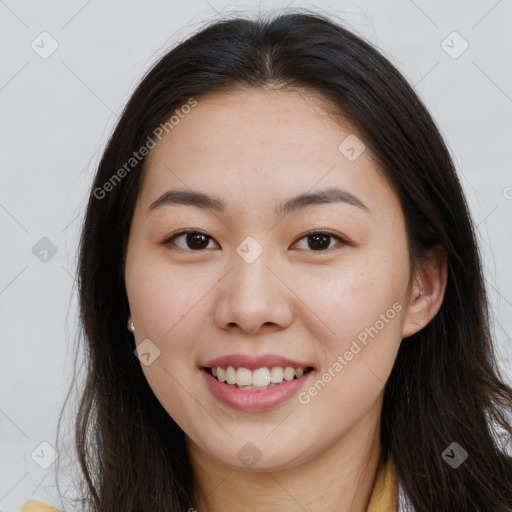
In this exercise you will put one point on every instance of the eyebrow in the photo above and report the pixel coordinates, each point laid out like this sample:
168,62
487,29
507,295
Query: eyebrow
294,204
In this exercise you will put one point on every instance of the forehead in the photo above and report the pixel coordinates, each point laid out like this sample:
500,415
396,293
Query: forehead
258,146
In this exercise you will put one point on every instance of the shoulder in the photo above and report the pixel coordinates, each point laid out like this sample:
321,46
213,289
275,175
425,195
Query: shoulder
37,506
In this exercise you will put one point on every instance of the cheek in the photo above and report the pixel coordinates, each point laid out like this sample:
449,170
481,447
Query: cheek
164,299
342,302
358,348
357,312
169,307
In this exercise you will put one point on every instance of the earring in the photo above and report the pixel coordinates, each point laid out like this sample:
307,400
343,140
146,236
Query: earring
422,293
131,327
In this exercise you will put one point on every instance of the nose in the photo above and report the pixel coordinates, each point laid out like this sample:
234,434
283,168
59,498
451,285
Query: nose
253,297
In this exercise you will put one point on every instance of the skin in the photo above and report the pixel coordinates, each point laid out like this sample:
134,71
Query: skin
254,149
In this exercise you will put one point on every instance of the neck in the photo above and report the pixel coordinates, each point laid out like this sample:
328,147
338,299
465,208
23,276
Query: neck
339,479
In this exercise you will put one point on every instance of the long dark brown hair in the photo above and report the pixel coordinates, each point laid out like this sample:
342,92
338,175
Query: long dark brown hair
445,386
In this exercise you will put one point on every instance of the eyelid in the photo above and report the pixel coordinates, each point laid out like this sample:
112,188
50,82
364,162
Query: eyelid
320,231
170,238
344,241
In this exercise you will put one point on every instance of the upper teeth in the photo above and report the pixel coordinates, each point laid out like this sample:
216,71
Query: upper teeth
261,377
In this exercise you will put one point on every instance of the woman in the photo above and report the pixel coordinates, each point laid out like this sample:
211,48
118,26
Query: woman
278,222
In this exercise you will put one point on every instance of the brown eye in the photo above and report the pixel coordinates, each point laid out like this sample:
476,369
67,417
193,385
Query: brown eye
320,240
190,240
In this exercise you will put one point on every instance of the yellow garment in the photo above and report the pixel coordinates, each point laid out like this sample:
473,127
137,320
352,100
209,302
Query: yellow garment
37,506
384,496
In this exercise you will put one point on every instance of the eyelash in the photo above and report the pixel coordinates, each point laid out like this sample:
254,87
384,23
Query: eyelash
331,234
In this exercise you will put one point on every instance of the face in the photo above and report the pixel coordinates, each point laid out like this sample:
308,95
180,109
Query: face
322,282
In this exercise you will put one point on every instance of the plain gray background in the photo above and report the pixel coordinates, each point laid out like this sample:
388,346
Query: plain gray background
58,111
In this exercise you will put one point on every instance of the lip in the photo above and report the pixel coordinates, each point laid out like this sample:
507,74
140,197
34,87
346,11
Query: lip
254,362
254,400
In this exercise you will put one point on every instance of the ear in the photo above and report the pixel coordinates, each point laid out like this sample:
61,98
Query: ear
431,278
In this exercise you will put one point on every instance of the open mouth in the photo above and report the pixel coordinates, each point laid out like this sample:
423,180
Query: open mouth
257,380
